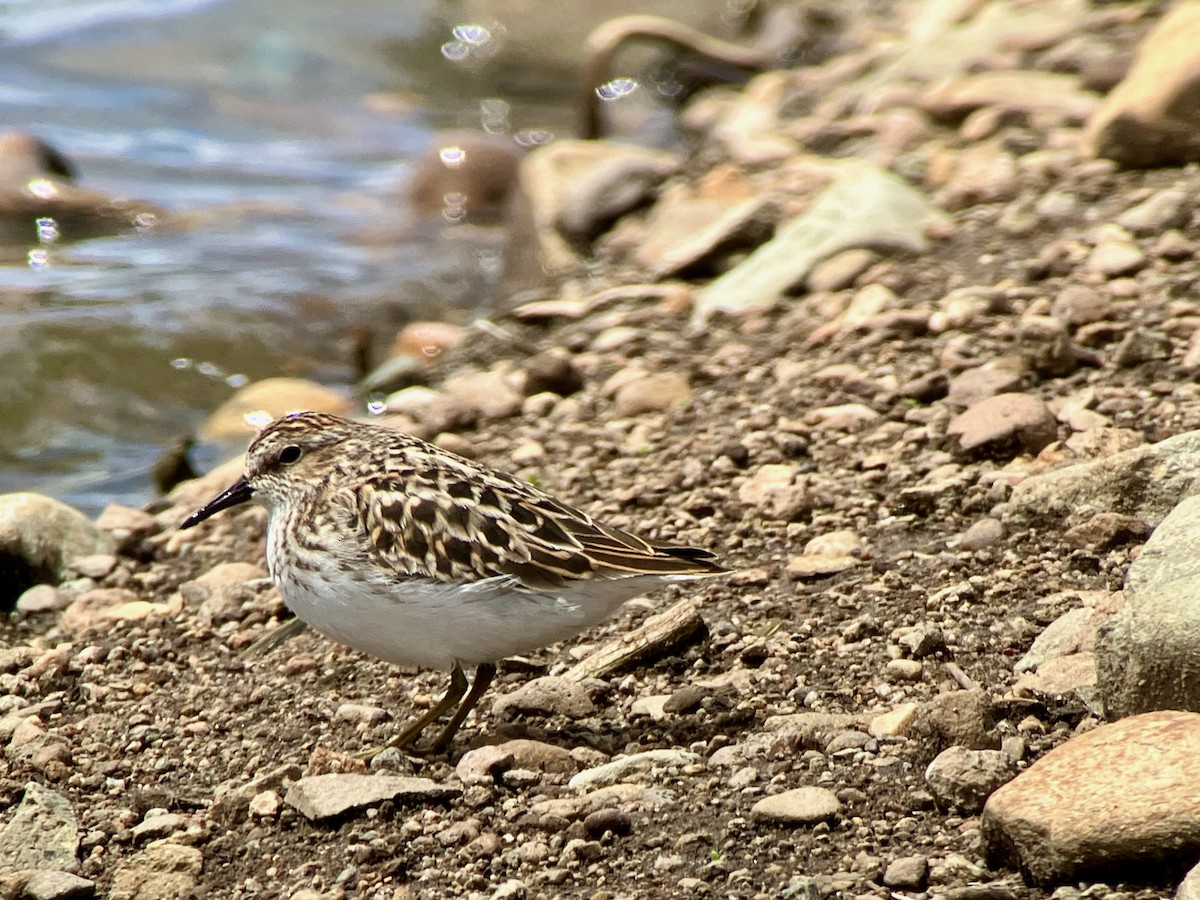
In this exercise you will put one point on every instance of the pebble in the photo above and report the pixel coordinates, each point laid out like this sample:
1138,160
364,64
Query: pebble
491,394
959,718
907,873
553,371
1161,211
95,565
777,491
799,806
1079,304
988,380
482,764
966,778
42,598
865,206
1106,531
616,821
158,826
513,889
652,393
360,714
999,421
845,417
1113,258
896,722
987,532
550,695
905,669
265,804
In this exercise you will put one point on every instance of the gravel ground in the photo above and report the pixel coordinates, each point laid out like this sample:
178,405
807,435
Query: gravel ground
153,728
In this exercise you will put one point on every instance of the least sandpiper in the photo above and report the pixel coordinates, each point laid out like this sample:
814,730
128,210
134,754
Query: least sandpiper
400,549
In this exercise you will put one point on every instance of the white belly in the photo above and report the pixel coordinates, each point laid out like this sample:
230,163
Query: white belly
419,622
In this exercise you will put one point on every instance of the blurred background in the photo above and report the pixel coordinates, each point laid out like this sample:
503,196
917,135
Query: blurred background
266,144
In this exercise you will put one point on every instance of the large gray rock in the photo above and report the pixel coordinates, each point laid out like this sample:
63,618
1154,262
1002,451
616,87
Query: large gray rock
38,537
1122,795
1145,482
1148,654
43,833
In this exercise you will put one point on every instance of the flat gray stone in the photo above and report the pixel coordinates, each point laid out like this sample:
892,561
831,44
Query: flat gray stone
1148,654
1146,482
625,767
58,886
326,796
799,806
865,206
42,834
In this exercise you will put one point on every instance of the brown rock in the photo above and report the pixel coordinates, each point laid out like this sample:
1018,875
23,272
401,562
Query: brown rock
95,606
1152,117
269,399
546,696
554,371
1107,530
1126,794
982,382
999,421
652,393
777,491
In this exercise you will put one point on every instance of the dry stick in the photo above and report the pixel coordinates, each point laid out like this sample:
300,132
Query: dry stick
964,680
656,636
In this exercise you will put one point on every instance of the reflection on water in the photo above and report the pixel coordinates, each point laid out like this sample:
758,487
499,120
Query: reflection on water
246,123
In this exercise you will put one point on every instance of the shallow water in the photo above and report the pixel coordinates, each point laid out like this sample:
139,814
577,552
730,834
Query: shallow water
247,121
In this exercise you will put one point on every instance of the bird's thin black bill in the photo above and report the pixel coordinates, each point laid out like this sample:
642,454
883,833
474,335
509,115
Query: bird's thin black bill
238,492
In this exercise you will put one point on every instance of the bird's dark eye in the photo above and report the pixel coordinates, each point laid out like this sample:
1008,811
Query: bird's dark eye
290,454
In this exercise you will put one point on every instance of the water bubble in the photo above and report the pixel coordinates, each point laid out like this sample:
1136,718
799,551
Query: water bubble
376,405
456,51
493,115
210,370
533,137
452,157
237,380
473,35
47,230
616,89
258,419
42,188
38,259
181,363
454,207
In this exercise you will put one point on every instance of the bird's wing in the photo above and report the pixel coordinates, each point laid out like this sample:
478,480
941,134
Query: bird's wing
451,519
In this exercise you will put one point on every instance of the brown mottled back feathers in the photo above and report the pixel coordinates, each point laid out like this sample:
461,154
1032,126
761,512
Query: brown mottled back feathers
431,513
